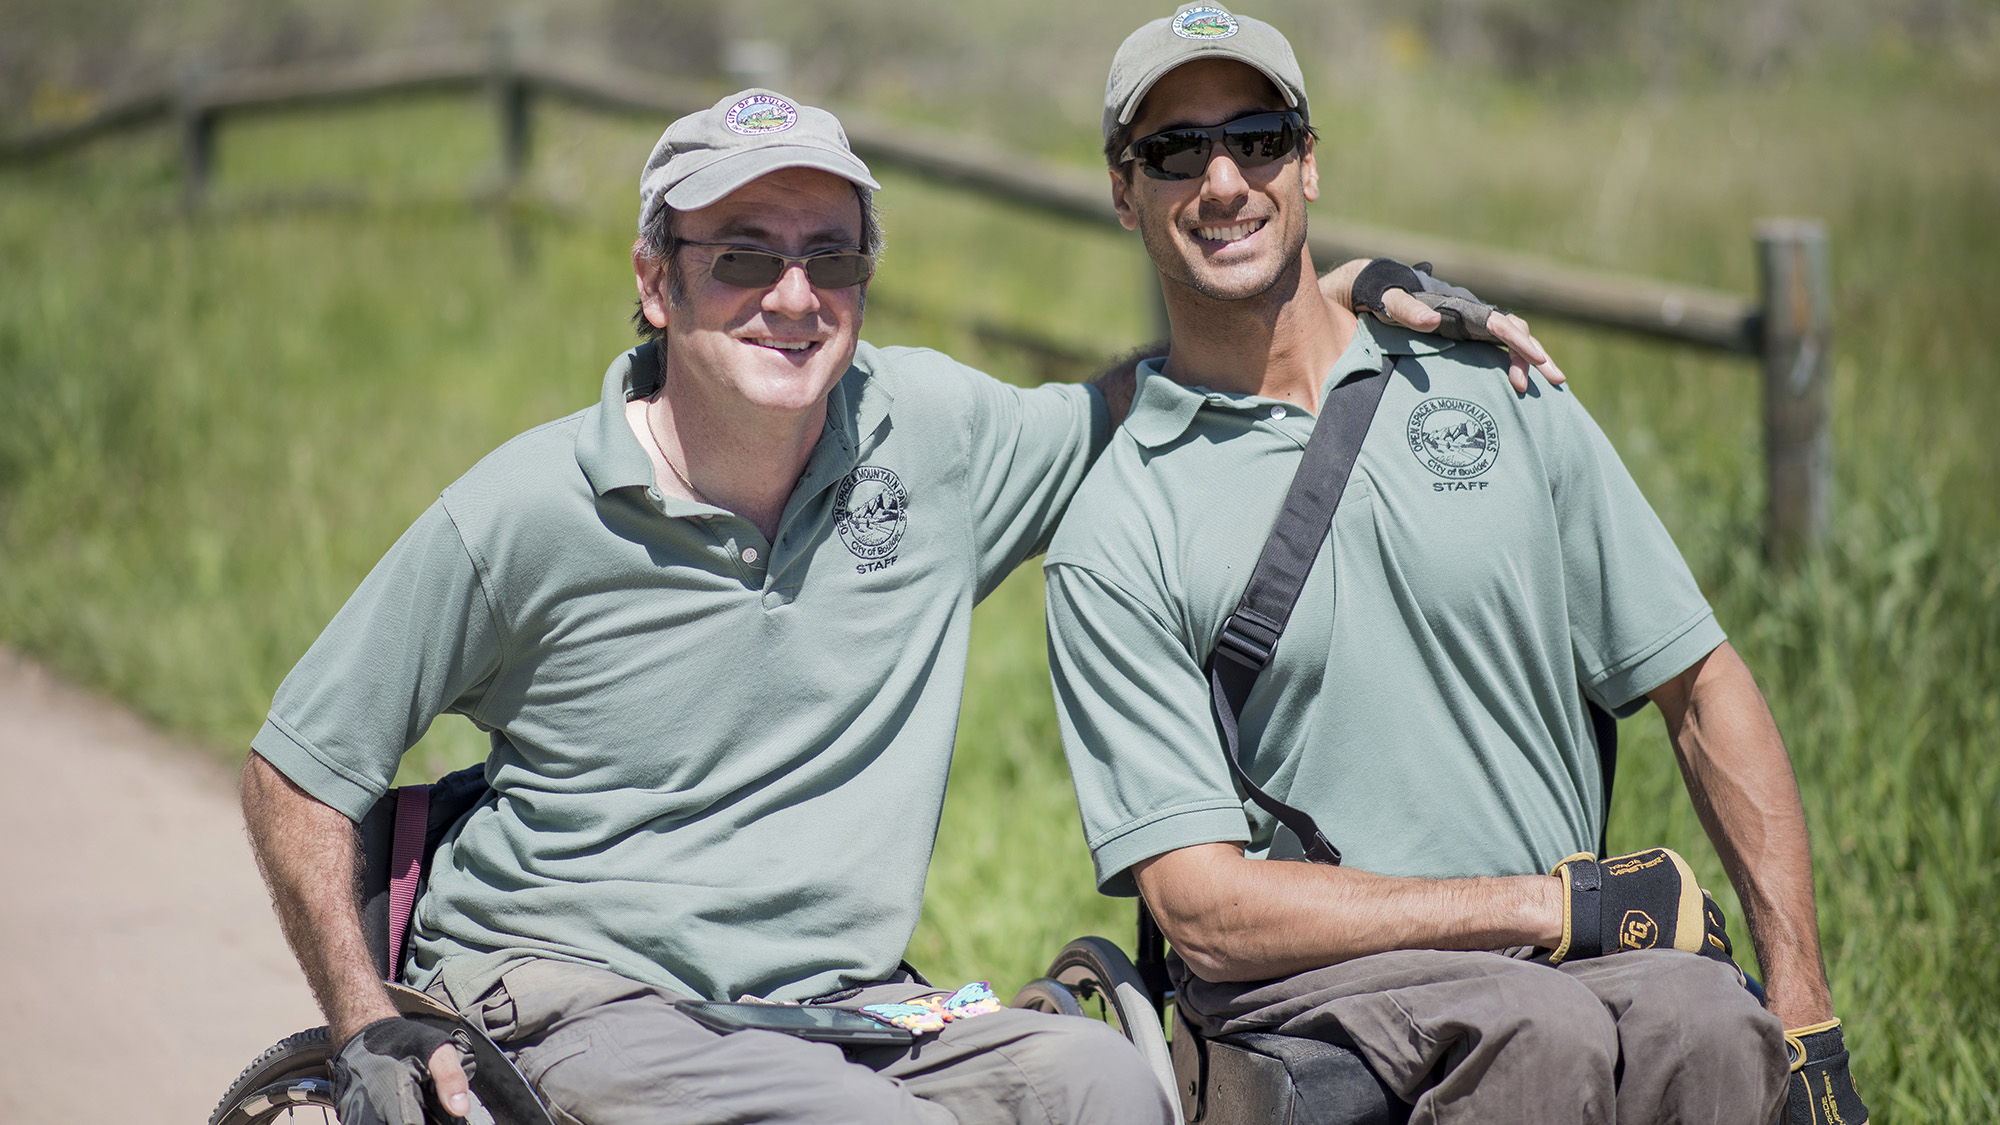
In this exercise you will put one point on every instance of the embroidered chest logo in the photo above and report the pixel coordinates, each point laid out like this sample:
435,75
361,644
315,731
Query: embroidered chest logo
871,513
1455,439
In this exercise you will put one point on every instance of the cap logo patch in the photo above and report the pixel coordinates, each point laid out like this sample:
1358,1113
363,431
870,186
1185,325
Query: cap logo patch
1204,23
761,113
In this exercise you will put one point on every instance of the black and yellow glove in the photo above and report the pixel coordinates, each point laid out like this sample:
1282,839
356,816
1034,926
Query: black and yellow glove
1822,1091
1645,900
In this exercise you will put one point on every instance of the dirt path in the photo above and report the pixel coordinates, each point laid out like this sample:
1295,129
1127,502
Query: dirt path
140,965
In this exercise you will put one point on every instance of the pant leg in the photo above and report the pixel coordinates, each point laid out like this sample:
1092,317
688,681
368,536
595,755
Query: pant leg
604,1050
1016,1067
1695,1047
1464,1037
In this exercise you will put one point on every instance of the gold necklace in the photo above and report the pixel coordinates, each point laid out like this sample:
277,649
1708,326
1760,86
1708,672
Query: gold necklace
661,449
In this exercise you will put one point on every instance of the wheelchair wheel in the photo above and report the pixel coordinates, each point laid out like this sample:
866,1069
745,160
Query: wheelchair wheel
1107,987
288,1082
1045,995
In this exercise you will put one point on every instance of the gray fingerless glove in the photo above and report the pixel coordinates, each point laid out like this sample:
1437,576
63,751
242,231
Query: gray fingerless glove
382,1075
1460,318
1463,316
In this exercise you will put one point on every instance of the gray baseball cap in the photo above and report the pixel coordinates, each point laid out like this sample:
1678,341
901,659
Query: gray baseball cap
1197,31
705,156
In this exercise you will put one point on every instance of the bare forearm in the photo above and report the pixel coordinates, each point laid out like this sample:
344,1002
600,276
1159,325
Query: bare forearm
1742,785
1235,918
307,853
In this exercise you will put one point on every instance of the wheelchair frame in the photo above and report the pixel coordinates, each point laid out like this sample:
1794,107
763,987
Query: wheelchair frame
1241,1079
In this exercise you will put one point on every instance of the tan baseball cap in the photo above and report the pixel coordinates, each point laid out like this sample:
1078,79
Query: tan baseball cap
705,156
1197,31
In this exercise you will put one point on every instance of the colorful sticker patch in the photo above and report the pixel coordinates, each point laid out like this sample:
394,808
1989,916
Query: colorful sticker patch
930,1013
761,113
1204,23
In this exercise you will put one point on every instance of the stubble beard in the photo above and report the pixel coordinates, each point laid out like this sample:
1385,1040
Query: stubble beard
1170,256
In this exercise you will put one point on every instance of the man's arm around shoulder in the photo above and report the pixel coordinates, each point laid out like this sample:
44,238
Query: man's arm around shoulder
308,854
1236,918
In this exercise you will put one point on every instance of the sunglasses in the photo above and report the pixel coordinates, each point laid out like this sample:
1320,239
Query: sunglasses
747,268
1252,142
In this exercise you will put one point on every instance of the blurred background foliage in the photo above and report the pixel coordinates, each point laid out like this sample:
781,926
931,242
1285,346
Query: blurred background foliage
212,424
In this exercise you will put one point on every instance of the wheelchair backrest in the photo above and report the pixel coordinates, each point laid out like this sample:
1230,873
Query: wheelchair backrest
446,802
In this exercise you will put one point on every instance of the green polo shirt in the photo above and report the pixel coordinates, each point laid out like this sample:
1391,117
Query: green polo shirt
718,761
1490,554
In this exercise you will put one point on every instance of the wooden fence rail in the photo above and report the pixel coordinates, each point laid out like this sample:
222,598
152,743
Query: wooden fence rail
1787,327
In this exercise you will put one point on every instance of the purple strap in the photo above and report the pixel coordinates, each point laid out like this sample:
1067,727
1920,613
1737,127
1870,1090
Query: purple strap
406,866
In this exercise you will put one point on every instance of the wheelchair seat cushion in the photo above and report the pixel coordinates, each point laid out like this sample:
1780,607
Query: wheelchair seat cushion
1288,1080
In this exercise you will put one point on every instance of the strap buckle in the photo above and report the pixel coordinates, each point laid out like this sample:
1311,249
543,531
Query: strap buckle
1247,640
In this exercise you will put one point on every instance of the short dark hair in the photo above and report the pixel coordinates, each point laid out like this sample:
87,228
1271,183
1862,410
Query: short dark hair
1120,139
660,240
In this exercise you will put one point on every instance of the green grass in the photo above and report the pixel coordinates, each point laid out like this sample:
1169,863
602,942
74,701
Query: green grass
210,428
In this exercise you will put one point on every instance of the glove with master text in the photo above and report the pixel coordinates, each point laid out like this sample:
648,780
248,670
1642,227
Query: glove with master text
1644,900
1822,1090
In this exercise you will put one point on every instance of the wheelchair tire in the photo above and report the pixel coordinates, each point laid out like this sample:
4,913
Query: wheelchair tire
1108,987
1045,995
290,1075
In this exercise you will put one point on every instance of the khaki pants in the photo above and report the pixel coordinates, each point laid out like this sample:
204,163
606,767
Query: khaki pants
1635,1038
604,1050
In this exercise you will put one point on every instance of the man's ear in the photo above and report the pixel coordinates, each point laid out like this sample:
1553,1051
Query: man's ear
1308,170
651,276
1121,200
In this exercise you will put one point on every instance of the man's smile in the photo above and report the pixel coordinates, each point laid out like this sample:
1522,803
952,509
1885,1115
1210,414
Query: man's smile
1223,234
782,345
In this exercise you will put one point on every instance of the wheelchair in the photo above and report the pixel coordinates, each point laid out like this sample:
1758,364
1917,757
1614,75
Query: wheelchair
1249,1078
290,1080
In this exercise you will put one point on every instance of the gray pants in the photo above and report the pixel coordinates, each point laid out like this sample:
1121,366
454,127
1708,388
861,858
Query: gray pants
605,1050
1640,1037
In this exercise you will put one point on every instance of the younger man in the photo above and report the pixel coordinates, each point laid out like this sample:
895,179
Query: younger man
1491,572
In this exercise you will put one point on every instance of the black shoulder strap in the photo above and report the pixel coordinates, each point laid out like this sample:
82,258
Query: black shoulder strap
1604,728
1251,633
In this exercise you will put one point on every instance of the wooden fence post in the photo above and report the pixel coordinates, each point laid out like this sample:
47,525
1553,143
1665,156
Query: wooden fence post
1798,431
512,97
195,121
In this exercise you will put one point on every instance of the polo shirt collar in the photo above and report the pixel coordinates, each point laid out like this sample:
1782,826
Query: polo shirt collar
606,449
1162,409
612,458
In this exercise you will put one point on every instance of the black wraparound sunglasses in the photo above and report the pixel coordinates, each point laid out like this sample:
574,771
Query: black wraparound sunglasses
1253,141
747,267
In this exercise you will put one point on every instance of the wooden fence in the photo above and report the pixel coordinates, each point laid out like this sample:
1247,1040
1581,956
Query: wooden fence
1787,327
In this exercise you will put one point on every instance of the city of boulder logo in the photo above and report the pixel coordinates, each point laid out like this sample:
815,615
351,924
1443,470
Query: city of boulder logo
871,512
761,113
1453,438
1204,23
